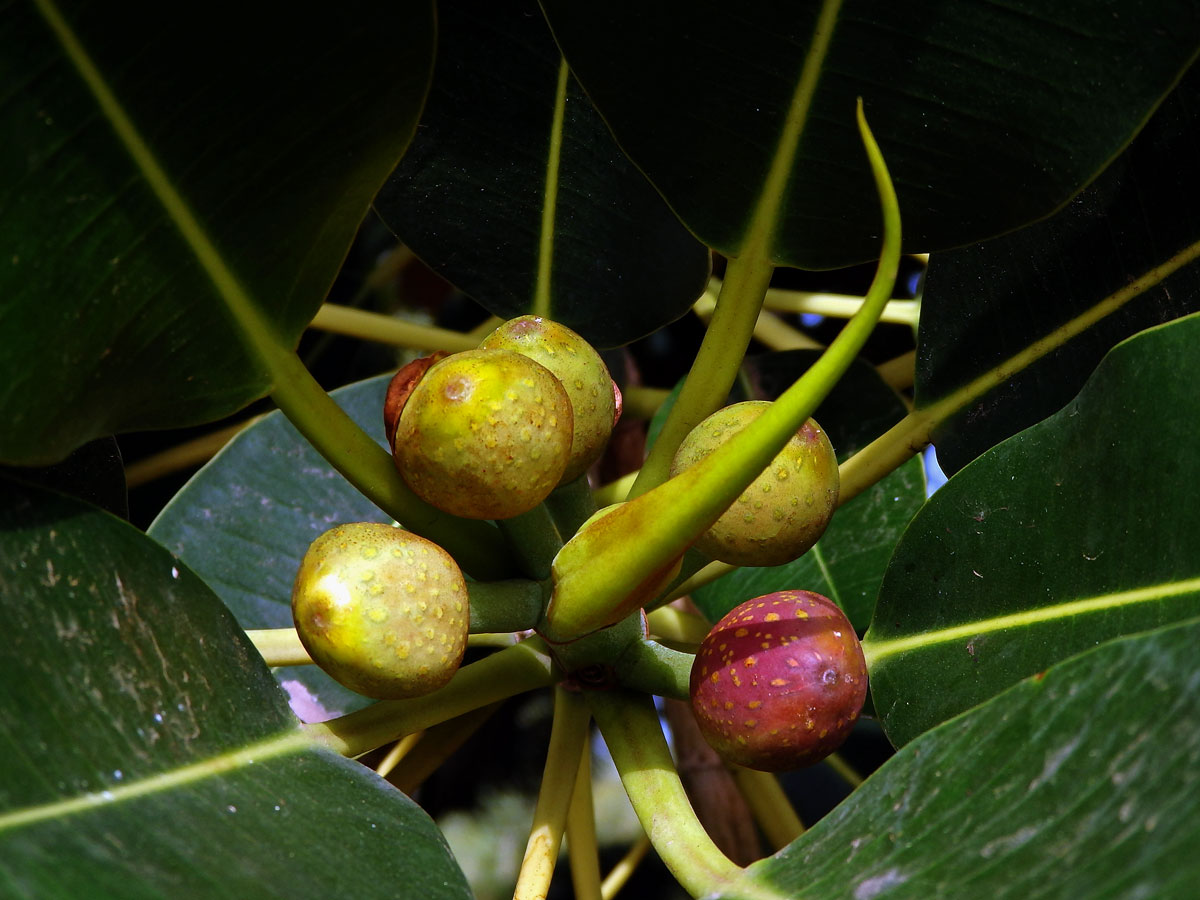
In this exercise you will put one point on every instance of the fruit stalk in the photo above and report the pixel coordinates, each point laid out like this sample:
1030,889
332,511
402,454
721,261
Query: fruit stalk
600,569
504,674
568,737
630,726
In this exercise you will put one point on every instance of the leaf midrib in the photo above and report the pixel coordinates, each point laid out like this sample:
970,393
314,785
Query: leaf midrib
270,748
875,651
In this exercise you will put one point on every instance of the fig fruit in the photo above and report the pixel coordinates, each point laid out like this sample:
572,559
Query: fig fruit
484,434
779,681
595,398
785,510
383,611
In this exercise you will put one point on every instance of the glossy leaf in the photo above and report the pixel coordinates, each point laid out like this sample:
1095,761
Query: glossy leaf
470,195
276,133
1078,530
245,520
147,751
1079,784
848,563
989,115
987,304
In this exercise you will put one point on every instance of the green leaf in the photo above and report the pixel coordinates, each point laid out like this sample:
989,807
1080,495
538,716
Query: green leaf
1078,530
848,563
1121,257
989,115
508,138
273,135
93,472
245,520
1079,784
147,751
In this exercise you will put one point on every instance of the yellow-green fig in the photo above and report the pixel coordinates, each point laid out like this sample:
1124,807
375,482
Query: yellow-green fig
785,510
595,399
484,434
383,611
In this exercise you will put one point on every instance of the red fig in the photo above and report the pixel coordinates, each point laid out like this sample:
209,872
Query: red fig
779,681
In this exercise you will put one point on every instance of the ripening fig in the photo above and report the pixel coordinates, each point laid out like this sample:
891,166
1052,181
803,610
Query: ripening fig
484,434
779,682
785,510
595,398
383,611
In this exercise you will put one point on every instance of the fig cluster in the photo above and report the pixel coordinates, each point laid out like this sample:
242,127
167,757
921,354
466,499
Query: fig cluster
779,682
489,433
483,434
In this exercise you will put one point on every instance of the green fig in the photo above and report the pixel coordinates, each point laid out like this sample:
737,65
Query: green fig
383,611
484,434
595,398
785,510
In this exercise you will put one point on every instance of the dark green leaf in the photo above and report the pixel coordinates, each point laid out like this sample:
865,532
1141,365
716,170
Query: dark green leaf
1078,530
989,115
244,521
986,304
848,563
93,472
276,129
147,751
470,194
1080,784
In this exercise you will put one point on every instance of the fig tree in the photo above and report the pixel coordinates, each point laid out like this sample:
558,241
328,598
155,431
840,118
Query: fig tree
779,681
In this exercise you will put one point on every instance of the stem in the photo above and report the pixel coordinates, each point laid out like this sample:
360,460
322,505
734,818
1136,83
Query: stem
397,753
899,373
631,729
885,454
504,674
600,570
384,329
651,668
707,575
910,435
181,456
844,770
747,275
533,539
436,746
716,365
571,505
615,880
477,546
279,646
641,402
770,805
541,296
582,848
350,450
769,329
838,306
504,606
568,738
615,491
673,624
